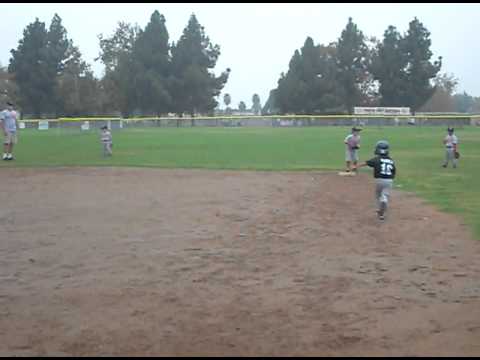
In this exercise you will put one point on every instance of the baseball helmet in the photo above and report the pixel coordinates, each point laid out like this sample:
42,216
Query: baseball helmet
382,147
450,129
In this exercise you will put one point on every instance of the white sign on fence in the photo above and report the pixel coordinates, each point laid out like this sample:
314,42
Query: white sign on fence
85,125
43,125
381,110
21,125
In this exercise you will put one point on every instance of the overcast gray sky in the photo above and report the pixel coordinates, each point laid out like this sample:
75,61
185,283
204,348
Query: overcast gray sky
258,40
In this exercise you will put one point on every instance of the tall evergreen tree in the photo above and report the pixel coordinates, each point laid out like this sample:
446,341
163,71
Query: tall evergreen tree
464,102
60,50
29,65
308,74
58,45
117,56
39,63
388,67
194,87
121,42
242,106
8,87
270,106
369,86
352,56
442,99
77,89
123,82
227,99
419,70
256,105
292,90
328,90
152,67
311,84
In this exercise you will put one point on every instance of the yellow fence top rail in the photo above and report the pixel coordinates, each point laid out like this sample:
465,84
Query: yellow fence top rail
253,117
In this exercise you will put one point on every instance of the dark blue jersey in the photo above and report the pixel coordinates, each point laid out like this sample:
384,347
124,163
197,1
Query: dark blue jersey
383,167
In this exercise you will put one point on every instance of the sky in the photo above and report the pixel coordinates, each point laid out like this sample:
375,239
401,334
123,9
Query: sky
257,40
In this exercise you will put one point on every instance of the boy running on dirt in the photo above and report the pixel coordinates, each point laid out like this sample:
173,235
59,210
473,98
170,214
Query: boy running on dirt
384,171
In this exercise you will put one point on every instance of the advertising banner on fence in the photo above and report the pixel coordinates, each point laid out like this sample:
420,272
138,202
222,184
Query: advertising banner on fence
43,125
85,125
381,110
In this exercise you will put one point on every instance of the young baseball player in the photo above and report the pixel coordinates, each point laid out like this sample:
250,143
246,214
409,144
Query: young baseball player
451,153
352,144
384,172
8,123
106,138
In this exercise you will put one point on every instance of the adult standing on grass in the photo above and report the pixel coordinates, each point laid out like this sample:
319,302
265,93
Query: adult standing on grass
352,144
451,152
8,121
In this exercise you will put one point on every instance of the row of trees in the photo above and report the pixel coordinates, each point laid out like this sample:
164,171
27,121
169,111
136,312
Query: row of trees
147,74
444,99
144,72
256,104
358,71
49,73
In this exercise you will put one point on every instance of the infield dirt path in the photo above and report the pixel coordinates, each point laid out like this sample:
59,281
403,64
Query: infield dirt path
117,261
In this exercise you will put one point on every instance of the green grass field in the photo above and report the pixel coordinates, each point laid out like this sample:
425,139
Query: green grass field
418,152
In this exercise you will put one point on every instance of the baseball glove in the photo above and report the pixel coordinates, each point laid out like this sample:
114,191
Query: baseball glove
457,155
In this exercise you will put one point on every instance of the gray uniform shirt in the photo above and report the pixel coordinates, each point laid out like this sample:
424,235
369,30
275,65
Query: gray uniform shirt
9,120
450,140
106,136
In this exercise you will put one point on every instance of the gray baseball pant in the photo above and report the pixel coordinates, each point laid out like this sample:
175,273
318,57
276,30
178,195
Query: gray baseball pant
382,193
450,156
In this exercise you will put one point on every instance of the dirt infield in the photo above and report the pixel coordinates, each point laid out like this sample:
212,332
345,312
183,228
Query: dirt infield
123,261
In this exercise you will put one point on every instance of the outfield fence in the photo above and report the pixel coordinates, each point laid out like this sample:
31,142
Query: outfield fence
87,123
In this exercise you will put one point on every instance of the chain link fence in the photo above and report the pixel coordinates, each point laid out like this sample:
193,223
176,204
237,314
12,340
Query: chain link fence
252,121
